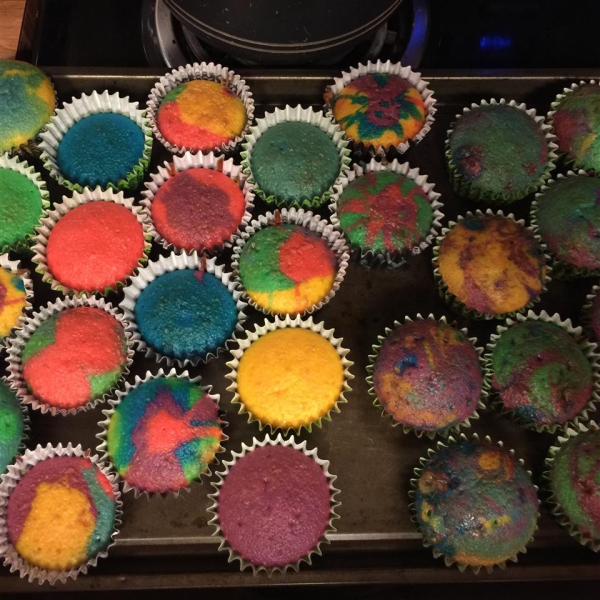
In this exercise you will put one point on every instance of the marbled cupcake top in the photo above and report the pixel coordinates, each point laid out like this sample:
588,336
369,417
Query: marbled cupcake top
569,221
380,109
541,373
427,375
499,150
274,506
13,300
198,209
201,115
492,264
475,504
62,513
12,426
384,212
164,434
576,124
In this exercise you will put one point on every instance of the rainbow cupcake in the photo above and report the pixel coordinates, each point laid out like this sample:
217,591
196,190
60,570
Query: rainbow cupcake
16,293
14,424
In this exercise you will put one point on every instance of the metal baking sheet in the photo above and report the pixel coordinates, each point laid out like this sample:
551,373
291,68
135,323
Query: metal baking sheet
167,543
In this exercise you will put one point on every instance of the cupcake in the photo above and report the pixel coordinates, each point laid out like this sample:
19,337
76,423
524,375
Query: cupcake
98,140
541,371
91,242
381,106
592,313
475,504
199,202
308,374
426,375
274,490
499,152
146,459
574,485
489,266
294,156
183,309
290,263
16,293
27,103
13,426
201,108
69,355
387,213
575,119
23,198
59,509
567,218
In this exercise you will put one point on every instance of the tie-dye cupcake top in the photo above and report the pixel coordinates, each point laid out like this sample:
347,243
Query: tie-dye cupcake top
201,116
61,513
491,264
287,269
380,109
475,504
164,434
12,426
27,103
576,124
384,212
569,221
541,373
74,357
13,300
427,376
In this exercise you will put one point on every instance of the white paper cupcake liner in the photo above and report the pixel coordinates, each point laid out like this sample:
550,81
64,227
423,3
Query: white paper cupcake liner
304,219
214,508
464,188
26,424
589,349
175,262
372,259
84,106
114,402
198,161
59,210
445,431
452,300
296,114
414,482
16,344
14,266
20,166
288,322
9,482
393,69
207,71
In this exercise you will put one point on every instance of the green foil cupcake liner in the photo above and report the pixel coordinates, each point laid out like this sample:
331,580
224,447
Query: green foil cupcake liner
10,480
16,343
418,471
222,475
20,166
371,259
197,161
557,511
391,68
51,218
288,322
82,107
445,431
114,402
175,262
296,216
299,115
589,349
464,188
14,266
452,300
206,71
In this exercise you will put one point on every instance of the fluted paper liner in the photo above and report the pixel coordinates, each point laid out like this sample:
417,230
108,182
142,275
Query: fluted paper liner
9,482
166,264
296,114
16,344
26,424
273,441
14,266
